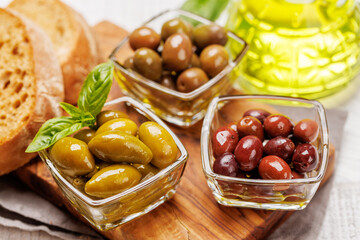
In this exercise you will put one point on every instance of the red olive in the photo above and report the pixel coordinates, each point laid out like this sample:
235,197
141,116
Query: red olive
250,126
273,167
248,152
260,114
296,175
232,125
224,140
278,125
226,165
280,146
306,130
305,158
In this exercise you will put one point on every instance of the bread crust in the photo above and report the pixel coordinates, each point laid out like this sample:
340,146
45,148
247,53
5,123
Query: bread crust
82,55
49,93
82,59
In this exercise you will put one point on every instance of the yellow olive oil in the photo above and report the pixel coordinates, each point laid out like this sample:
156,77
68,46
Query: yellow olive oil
308,48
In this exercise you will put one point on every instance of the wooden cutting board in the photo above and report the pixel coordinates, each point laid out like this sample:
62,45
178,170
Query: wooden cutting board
192,213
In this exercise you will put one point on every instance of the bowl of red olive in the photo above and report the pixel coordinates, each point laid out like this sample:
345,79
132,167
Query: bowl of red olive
176,63
264,152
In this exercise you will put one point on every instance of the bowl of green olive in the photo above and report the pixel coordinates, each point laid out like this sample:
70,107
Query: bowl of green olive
178,63
124,166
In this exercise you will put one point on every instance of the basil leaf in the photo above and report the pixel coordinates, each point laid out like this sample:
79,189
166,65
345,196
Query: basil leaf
210,9
53,130
76,113
96,88
71,110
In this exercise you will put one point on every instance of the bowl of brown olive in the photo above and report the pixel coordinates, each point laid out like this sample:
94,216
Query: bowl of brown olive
265,152
125,166
178,62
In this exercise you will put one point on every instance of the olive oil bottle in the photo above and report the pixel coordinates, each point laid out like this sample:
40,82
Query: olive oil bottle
308,48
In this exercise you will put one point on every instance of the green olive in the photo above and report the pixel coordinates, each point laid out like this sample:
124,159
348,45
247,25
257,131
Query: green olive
177,52
79,183
121,124
107,115
148,63
176,25
117,146
112,180
205,35
191,79
102,164
144,37
85,135
214,58
92,173
160,142
72,157
145,169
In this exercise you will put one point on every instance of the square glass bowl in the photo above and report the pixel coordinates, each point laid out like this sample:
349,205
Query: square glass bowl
113,211
293,194
182,109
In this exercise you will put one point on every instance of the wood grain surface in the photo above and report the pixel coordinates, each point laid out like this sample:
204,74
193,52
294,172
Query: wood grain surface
192,213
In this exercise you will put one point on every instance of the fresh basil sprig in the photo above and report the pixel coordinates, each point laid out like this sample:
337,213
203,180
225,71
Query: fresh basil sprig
91,100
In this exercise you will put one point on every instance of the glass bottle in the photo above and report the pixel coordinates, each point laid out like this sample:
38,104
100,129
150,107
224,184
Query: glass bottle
307,48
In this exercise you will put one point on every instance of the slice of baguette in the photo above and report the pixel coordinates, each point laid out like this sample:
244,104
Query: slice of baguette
73,41
31,87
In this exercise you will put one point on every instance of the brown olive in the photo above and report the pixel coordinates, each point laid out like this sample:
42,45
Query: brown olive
168,81
226,165
85,135
176,25
305,158
250,126
195,61
129,63
224,140
278,125
306,130
191,79
214,58
205,35
260,114
107,115
280,146
144,37
177,52
248,152
148,63
273,167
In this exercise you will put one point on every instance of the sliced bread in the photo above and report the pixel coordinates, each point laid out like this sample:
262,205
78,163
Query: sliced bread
31,87
73,41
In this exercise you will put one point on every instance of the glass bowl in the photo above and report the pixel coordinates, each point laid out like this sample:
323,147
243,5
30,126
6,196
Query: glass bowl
182,109
110,212
293,194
